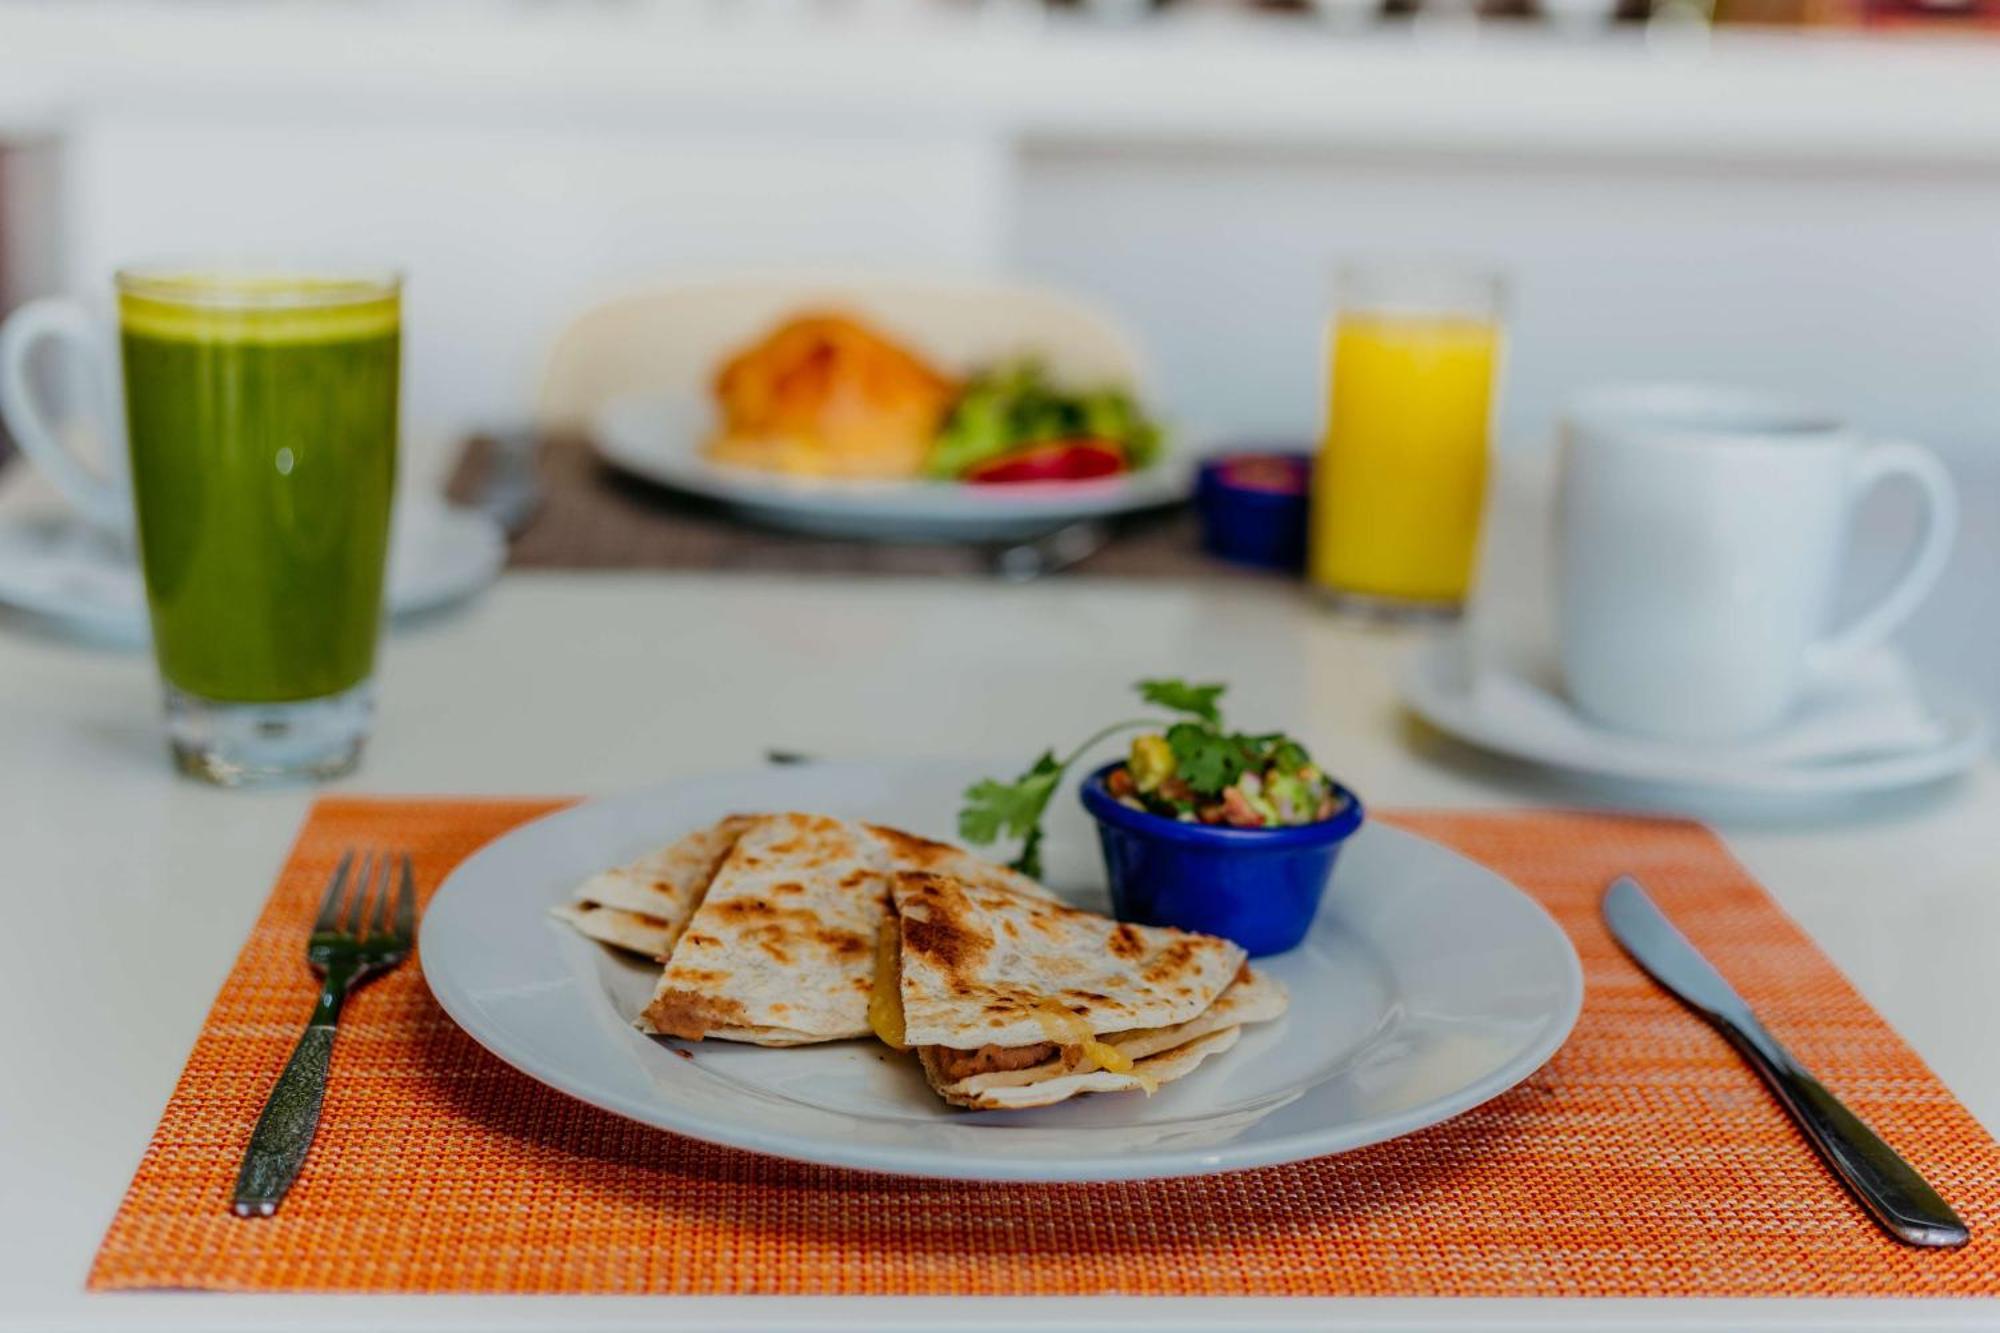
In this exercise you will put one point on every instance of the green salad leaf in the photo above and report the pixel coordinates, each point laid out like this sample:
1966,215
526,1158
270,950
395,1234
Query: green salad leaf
1015,404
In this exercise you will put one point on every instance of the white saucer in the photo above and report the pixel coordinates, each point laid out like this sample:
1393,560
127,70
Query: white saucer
55,566
1441,687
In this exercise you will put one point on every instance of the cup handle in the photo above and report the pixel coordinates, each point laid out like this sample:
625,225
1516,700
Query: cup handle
100,496
1878,463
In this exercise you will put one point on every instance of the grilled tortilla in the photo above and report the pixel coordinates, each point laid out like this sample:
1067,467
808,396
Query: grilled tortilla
999,989
643,907
782,950
908,852
985,965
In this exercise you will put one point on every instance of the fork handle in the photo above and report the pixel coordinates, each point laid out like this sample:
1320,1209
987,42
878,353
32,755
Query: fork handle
284,1133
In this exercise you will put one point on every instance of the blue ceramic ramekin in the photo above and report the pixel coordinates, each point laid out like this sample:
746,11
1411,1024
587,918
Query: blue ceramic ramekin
1259,887
1253,508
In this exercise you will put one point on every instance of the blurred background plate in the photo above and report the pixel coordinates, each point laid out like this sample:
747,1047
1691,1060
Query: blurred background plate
659,437
637,373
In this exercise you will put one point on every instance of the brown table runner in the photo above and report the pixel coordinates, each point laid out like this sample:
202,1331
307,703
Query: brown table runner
592,516
1643,1160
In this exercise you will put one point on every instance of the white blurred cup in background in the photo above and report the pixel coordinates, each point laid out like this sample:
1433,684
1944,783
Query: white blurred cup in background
1699,534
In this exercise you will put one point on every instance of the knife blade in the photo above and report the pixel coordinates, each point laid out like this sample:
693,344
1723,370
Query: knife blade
1901,1201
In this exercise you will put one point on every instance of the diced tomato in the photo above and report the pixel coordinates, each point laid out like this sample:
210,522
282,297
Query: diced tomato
1237,810
1055,460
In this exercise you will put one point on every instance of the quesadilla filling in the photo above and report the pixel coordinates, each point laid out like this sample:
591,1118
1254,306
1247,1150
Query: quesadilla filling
952,1067
1079,1043
885,1001
955,1066
1157,1055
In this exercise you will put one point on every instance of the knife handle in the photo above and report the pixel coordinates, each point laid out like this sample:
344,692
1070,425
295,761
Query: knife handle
1887,1186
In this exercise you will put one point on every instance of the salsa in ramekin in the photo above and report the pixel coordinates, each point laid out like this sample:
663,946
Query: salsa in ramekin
1225,832
1264,781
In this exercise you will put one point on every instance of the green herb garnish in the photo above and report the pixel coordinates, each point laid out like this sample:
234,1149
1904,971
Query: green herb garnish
1014,809
993,808
1182,697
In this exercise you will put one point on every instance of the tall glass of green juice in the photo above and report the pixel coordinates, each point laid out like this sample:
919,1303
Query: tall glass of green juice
261,410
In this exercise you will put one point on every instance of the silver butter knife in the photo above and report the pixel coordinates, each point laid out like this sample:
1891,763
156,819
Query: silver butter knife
1887,1186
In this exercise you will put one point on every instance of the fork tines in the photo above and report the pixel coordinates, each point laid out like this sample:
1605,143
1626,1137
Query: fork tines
366,884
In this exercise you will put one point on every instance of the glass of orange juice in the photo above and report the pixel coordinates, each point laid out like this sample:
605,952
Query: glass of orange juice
1401,476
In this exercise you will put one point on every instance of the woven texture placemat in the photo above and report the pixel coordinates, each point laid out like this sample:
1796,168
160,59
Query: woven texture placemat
1643,1160
591,516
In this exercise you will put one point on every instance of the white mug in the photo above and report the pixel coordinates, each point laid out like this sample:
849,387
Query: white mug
103,496
1699,537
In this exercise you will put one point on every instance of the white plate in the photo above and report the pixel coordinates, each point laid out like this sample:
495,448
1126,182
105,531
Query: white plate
1427,986
53,565
1439,688
658,436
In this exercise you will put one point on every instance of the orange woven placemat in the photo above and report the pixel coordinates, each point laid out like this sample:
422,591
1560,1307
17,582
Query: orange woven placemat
1643,1160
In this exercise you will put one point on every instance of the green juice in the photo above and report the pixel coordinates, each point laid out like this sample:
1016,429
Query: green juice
263,439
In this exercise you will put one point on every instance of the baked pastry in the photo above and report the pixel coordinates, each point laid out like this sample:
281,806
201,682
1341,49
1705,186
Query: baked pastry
823,394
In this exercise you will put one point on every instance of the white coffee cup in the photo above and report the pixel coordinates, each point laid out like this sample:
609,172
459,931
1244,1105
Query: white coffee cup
1699,535
102,494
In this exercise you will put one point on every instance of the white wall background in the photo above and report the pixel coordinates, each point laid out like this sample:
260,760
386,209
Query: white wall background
1874,289
1820,215
505,231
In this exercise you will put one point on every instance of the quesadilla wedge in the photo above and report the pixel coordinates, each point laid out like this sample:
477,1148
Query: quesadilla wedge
643,907
984,980
782,950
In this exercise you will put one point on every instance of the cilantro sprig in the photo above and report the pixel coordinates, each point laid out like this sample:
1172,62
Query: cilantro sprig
1180,697
1207,758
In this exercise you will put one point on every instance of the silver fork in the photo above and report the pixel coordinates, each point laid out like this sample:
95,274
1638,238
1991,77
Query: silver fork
365,927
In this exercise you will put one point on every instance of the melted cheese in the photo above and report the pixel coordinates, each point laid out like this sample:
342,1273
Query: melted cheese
1066,1029
885,1000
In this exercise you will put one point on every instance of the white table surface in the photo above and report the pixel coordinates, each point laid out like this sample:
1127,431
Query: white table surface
131,890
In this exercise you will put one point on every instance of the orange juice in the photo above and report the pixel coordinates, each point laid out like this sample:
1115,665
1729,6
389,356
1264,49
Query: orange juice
1401,475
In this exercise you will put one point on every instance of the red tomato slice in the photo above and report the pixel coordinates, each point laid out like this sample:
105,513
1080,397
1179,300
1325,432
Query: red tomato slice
1055,460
